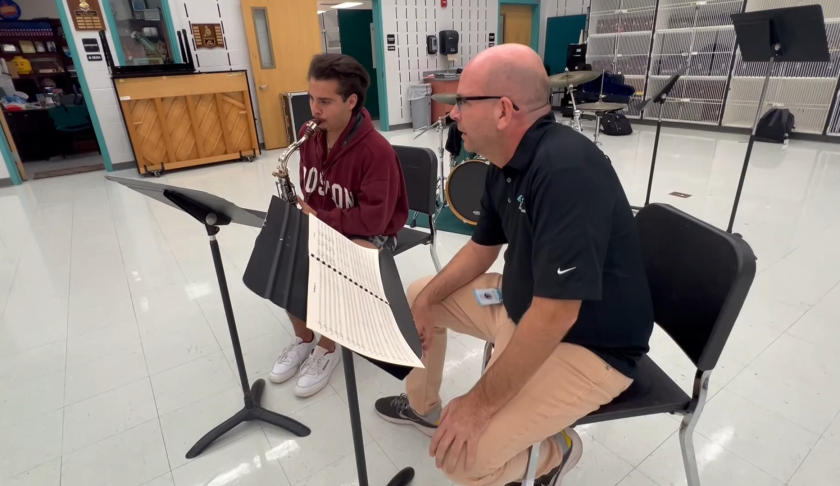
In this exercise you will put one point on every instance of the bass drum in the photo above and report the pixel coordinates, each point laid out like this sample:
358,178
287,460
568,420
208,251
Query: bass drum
464,189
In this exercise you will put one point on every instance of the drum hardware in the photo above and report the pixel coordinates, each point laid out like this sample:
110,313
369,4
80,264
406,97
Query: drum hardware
285,188
600,108
576,118
440,127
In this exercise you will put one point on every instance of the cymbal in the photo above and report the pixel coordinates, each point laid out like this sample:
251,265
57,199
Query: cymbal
445,98
572,78
601,106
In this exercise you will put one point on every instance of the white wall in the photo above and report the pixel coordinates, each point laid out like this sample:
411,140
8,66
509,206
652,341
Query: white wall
103,98
4,172
235,54
559,8
31,9
411,21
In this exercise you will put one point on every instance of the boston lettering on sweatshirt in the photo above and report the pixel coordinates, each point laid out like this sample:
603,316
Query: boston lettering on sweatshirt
357,187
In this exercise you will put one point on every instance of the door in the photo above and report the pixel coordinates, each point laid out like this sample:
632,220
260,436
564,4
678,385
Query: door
517,23
282,38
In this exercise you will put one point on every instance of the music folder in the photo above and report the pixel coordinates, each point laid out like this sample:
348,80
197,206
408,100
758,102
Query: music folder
279,270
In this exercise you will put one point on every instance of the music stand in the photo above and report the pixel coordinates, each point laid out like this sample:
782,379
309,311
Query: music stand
792,34
278,270
659,98
212,212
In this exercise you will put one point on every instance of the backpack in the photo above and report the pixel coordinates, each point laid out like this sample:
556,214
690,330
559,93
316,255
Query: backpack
775,126
615,124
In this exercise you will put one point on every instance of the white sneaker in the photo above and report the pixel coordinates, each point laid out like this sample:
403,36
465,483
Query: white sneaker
289,361
315,372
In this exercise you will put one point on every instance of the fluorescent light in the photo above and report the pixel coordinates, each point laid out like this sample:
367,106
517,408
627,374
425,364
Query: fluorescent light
347,5
321,11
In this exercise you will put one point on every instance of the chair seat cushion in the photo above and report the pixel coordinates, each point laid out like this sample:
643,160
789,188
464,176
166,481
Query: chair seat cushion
652,392
408,238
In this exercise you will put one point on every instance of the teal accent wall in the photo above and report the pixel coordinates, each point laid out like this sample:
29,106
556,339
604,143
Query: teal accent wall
112,28
559,33
74,52
354,34
379,40
535,19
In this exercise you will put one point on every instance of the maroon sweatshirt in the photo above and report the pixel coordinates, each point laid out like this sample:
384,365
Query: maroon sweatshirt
358,187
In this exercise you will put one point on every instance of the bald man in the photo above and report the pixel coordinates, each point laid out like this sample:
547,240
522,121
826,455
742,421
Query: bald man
572,315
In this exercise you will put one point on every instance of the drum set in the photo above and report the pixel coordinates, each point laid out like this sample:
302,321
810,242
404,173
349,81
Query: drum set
462,190
571,80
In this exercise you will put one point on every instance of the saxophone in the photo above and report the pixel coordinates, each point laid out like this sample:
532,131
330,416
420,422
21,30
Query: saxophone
285,188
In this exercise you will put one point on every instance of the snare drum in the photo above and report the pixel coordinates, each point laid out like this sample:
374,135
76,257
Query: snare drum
464,189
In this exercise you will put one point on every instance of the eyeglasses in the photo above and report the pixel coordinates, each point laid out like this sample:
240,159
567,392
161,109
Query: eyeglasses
459,100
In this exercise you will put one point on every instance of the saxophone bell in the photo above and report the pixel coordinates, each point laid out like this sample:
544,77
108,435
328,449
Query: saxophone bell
285,188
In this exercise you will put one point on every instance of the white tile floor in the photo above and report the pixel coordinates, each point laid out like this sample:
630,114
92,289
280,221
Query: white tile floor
115,358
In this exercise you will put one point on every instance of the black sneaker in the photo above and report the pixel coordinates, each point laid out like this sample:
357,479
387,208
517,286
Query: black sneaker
397,411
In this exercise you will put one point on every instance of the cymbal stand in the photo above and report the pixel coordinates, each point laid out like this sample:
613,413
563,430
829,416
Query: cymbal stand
598,127
440,127
576,118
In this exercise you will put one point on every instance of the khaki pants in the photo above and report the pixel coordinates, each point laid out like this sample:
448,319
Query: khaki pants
572,383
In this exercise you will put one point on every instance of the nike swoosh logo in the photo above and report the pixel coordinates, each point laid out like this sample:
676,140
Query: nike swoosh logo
560,271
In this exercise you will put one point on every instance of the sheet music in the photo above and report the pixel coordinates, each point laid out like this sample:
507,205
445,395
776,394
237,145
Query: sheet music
346,298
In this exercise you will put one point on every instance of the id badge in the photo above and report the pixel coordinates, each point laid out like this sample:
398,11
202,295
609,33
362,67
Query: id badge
487,297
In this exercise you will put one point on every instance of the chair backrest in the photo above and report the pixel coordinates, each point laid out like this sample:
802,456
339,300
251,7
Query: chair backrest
419,167
699,277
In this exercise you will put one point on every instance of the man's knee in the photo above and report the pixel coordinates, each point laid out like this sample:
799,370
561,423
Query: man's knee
416,287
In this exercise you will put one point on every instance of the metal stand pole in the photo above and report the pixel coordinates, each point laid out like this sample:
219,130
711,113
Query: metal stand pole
655,150
252,410
751,142
597,128
404,477
576,112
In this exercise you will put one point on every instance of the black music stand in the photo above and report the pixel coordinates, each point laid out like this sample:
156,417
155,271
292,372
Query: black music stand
659,98
793,34
284,242
212,212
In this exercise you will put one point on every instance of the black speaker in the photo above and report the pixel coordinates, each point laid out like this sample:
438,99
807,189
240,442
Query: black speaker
575,56
448,42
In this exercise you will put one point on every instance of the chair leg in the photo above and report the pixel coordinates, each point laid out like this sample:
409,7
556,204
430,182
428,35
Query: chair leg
531,471
488,351
435,260
690,419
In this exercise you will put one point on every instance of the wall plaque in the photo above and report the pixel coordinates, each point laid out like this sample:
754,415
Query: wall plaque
208,36
87,14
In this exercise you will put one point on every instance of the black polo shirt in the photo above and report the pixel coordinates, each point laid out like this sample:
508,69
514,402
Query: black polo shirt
560,207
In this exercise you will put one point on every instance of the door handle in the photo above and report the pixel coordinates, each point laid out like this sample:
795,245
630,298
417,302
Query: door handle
263,86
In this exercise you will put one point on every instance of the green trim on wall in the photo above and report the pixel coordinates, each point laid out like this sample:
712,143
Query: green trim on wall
112,26
170,28
167,19
9,158
535,19
379,39
80,70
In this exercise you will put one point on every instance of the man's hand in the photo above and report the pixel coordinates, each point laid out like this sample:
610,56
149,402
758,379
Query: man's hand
461,424
422,314
307,209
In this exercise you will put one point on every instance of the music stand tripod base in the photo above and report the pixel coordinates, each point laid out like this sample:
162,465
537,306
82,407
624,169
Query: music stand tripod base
252,409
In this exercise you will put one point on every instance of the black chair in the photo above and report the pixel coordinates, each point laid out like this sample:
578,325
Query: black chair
699,277
419,167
